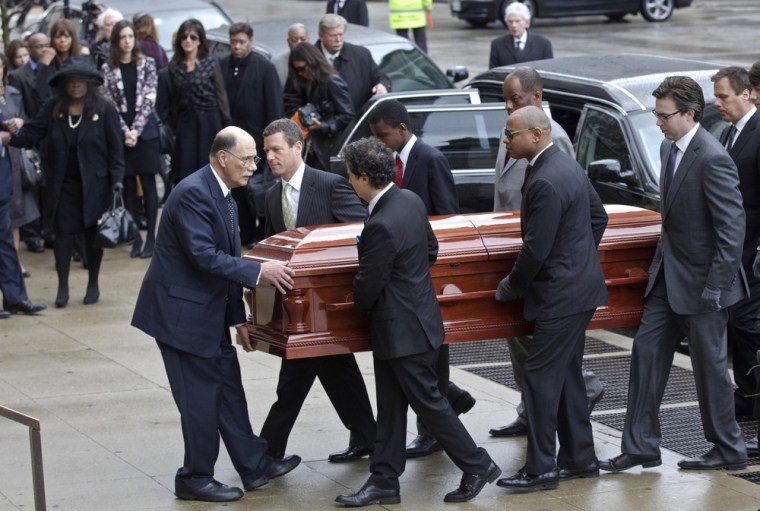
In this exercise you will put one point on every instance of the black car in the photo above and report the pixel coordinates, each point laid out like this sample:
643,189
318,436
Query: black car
605,104
481,12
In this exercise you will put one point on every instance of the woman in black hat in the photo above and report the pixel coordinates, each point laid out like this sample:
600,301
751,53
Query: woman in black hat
84,150
131,82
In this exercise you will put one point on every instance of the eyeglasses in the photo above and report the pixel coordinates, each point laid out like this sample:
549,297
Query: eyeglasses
192,37
664,117
299,69
509,135
247,161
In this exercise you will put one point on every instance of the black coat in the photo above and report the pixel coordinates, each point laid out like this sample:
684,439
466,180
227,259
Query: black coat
428,174
358,69
504,53
23,79
100,150
355,11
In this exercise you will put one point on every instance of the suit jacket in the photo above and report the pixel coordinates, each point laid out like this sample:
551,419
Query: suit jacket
145,97
259,98
746,155
562,221
355,11
702,227
503,51
393,283
325,198
510,175
358,69
427,173
23,79
194,285
100,152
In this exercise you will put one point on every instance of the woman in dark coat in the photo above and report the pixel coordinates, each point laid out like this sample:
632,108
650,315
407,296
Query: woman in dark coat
313,80
197,99
85,164
64,43
131,82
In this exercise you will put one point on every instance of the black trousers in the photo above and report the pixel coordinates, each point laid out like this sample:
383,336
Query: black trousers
344,385
211,401
412,381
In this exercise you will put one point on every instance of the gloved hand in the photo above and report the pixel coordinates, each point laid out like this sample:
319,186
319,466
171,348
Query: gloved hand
504,293
117,187
711,299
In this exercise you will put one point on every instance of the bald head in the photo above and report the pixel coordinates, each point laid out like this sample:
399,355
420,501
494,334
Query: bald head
233,156
529,132
297,34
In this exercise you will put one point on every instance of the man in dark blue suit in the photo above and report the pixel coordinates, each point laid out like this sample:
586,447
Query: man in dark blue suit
191,295
520,45
307,196
393,286
425,171
558,274
15,299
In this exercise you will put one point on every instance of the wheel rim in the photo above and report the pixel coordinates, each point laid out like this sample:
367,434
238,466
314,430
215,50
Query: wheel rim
658,9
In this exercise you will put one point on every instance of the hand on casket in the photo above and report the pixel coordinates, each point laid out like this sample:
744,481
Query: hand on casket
504,293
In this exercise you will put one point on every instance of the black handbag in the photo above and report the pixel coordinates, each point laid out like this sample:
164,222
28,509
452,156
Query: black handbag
116,226
31,171
165,138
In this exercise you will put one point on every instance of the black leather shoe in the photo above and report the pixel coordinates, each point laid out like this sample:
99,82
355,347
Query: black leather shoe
4,314
147,251
514,428
92,295
752,446
626,461
35,246
136,248
471,484
276,469
421,446
463,404
212,492
26,307
591,470
522,480
62,297
353,453
711,461
593,402
369,494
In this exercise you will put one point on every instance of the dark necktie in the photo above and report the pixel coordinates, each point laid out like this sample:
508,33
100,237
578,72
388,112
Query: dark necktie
231,209
670,169
399,171
730,138
366,215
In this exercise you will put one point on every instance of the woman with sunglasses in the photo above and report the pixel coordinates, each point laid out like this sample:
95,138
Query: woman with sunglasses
312,80
131,82
198,107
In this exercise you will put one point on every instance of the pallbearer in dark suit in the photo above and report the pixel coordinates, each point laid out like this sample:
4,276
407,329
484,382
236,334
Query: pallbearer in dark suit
742,141
307,196
520,45
425,171
191,295
558,274
696,274
394,287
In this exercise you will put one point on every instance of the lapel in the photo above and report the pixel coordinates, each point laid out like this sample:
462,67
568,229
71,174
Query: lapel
276,217
682,170
305,197
747,134
221,205
387,196
411,164
116,88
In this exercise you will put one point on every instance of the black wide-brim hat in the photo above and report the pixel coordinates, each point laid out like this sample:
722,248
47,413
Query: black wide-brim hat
76,67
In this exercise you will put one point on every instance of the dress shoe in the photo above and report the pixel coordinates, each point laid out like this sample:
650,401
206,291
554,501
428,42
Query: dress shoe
593,402
421,446
626,461
590,470
26,307
136,248
463,403
91,296
515,428
471,484
212,492
752,446
35,246
276,469
62,297
353,453
711,461
522,480
4,314
369,494
147,251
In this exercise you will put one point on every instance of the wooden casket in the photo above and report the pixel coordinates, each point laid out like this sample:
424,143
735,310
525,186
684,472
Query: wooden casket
476,251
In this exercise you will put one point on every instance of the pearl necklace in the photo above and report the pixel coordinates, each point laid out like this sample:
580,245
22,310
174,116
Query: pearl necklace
75,125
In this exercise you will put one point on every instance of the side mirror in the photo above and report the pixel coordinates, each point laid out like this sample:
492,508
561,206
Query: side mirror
610,171
457,73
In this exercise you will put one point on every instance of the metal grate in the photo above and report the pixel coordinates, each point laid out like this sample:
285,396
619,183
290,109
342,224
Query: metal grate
752,477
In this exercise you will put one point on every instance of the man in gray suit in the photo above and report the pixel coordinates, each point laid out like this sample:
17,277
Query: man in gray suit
695,275
307,196
523,87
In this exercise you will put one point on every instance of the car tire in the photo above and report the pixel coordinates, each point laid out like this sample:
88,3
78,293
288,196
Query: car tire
657,10
477,23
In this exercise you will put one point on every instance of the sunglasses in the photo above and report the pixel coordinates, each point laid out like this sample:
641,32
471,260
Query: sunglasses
299,69
509,135
192,37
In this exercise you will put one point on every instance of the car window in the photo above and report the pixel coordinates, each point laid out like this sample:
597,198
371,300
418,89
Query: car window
602,140
168,22
411,70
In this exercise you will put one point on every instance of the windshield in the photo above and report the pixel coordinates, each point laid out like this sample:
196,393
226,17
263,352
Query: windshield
408,69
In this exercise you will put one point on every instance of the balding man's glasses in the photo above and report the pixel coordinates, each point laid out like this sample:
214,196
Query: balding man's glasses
247,161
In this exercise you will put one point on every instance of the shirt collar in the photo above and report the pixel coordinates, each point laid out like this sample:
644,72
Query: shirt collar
329,55
223,186
523,39
683,142
297,178
404,153
741,123
533,160
376,198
